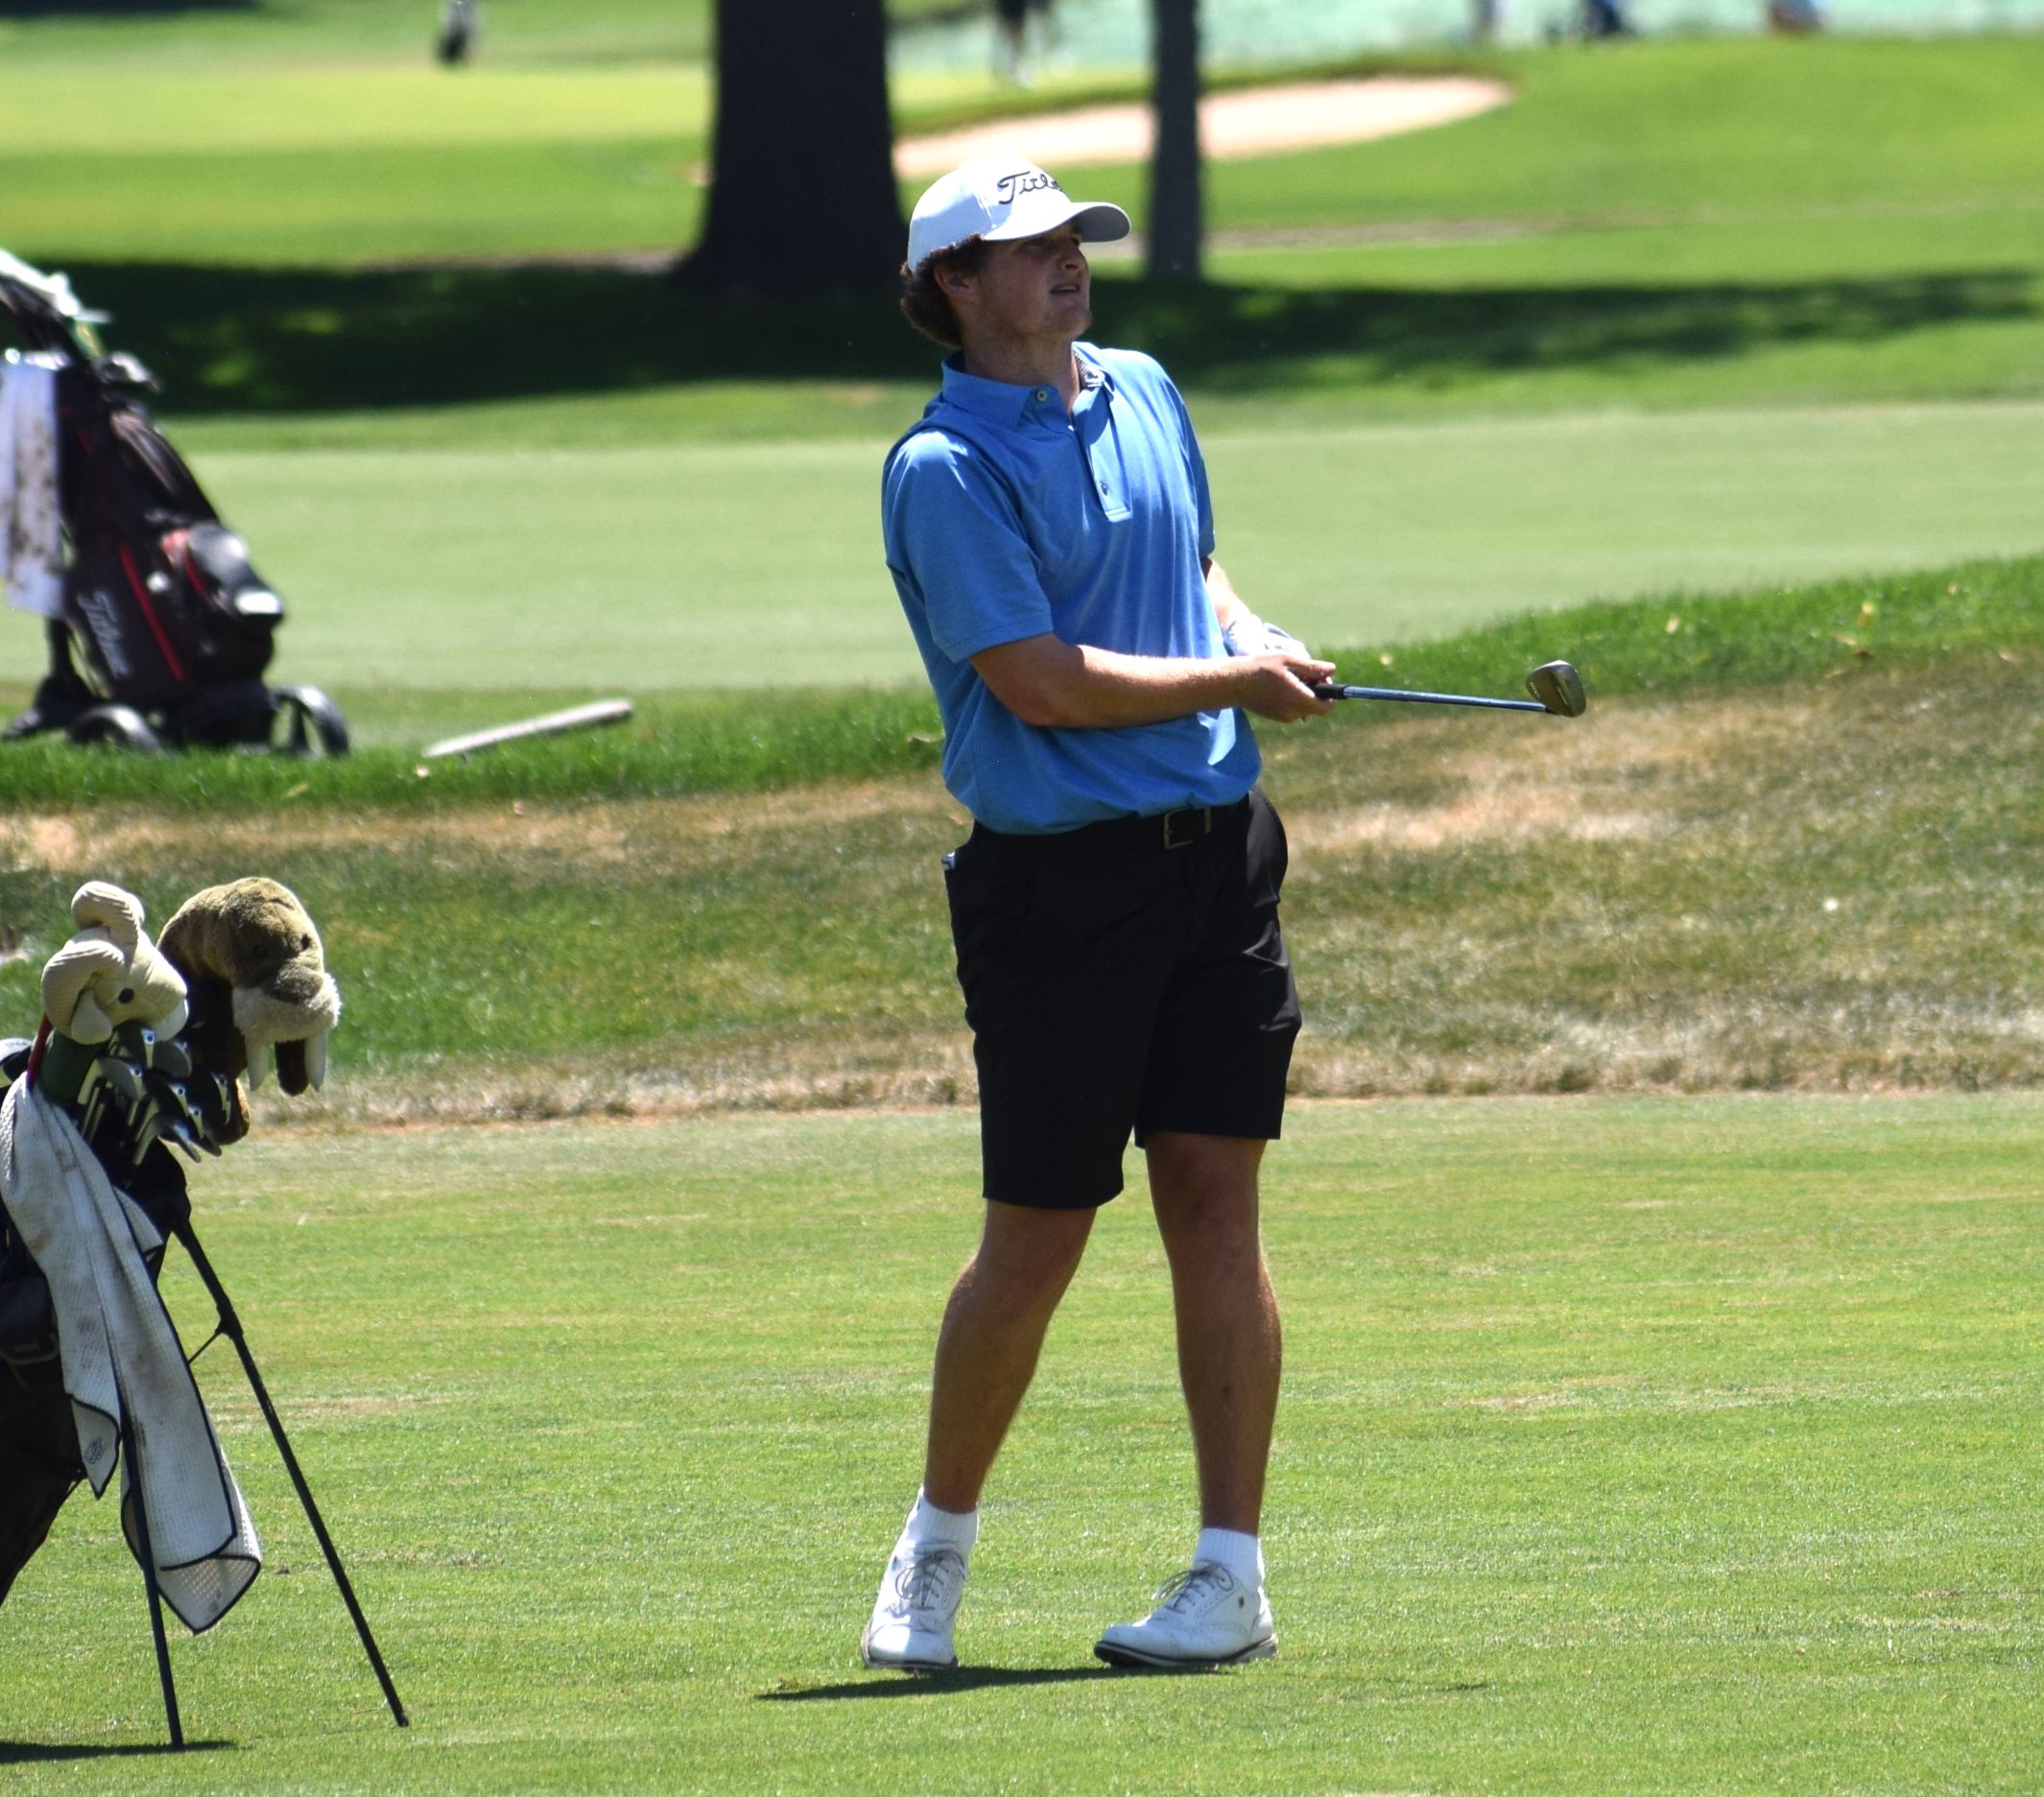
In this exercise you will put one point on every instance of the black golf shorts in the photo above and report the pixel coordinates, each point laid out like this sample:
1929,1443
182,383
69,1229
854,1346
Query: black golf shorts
1129,977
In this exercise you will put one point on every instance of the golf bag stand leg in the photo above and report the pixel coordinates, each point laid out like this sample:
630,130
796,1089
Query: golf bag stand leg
148,1553
230,1327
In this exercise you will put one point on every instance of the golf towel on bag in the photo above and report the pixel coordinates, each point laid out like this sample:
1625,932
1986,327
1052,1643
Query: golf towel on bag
32,531
122,1359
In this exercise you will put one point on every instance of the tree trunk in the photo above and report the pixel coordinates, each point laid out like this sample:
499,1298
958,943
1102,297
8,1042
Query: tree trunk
802,198
1177,224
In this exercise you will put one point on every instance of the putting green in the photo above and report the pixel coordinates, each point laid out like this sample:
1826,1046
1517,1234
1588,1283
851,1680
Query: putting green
666,567
1411,532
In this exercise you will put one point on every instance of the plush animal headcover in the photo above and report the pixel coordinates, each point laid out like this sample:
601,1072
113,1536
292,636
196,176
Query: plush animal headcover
109,973
259,986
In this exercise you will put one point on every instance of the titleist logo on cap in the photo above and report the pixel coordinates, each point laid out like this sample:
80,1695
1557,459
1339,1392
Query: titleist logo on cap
1011,187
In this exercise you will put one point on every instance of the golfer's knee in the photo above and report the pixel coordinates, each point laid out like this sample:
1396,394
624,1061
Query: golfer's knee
1225,1163
1204,1186
1030,1253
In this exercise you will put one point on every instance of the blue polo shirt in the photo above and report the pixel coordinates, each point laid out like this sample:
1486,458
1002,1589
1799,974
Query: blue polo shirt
1006,519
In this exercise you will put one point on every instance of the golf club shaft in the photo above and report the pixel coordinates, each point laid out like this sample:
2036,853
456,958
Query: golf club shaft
1403,697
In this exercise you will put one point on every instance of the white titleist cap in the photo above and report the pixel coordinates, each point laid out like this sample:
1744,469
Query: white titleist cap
1000,198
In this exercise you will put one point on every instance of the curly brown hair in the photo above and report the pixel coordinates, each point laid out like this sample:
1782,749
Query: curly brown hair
925,304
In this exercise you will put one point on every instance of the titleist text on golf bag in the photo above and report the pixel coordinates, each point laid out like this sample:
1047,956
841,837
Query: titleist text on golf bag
167,614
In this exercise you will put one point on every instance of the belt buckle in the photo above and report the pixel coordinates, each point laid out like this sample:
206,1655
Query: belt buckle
1176,838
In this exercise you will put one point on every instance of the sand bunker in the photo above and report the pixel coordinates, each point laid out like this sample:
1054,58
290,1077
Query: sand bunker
1255,122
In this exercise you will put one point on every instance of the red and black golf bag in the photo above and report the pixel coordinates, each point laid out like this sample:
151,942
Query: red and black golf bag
165,630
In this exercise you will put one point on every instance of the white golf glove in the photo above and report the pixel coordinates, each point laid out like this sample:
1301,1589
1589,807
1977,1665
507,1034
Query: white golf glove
1249,635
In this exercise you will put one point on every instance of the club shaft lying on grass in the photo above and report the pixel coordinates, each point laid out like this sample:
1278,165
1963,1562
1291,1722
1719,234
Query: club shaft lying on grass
1403,697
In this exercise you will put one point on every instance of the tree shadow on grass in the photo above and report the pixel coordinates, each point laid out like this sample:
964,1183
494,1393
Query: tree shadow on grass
242,341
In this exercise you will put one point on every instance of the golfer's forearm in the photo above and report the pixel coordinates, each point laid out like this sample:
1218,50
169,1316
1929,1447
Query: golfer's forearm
1221,593
1073,687
1111,689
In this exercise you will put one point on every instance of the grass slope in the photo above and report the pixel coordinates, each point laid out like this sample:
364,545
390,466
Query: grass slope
1793,845
1770,125
264,37
1673,1446
1681,204
1682,127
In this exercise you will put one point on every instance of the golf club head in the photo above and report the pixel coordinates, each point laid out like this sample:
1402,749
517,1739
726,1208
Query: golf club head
148,1124
110,1092
1559,687
133,1041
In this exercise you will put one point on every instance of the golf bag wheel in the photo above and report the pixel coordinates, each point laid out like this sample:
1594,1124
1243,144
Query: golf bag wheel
60,695
308,722
121,726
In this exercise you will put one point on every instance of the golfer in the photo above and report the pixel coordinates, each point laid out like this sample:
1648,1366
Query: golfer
1115,909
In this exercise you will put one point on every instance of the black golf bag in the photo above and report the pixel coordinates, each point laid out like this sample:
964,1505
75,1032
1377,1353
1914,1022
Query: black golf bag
165,629
128,1100
38,1440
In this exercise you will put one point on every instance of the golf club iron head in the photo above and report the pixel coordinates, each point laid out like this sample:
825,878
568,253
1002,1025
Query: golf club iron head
1558,688
112,1090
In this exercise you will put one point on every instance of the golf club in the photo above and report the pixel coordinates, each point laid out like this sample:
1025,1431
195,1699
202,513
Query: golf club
1556,688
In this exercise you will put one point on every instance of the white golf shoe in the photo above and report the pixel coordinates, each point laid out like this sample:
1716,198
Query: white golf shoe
1206,1616
911,1629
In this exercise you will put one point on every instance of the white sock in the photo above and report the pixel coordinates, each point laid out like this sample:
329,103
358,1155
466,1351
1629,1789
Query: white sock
927,1525
1242,1554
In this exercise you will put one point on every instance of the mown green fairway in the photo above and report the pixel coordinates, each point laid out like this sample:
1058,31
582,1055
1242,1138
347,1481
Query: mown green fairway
750,565
1656,1445
758,564
368,34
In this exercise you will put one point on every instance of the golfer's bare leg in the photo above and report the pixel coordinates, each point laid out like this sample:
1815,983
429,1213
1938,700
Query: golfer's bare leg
993,1333
1230,1350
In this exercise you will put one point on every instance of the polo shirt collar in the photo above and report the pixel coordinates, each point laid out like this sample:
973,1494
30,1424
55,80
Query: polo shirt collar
1002,403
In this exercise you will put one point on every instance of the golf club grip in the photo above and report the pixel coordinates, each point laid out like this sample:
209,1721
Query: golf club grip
1404,696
